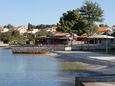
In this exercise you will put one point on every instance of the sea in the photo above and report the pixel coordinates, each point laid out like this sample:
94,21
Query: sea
33,70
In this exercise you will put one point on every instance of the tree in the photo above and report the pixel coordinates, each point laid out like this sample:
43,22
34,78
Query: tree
29,36
72,22
42,26
9,26
6,37
12,37
43,33
29,27
92,12
15,33
113,34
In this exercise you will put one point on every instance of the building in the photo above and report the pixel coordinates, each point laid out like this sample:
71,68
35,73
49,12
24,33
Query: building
95,42
59,41
113,28
22,29
5,30
102,29
56,39
34,30
1,28
105,30
52,28
102,41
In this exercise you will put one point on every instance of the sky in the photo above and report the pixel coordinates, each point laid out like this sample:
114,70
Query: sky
21,12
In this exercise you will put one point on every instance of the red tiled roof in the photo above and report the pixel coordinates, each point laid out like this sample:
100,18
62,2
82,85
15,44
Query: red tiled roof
61,34
102,29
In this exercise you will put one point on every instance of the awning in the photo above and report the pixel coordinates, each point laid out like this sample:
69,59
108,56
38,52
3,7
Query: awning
102,36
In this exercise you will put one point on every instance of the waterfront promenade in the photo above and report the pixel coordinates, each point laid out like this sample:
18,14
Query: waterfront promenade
100,63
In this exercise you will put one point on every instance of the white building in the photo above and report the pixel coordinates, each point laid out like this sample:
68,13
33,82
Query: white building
22,29
52,29
33,31
5,30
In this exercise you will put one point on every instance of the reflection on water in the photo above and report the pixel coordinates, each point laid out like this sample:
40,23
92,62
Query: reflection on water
32,70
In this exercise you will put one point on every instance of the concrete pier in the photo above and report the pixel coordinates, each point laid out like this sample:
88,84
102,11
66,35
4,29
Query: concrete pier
29,50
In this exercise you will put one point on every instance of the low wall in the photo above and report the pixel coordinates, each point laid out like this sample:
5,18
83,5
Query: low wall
90,46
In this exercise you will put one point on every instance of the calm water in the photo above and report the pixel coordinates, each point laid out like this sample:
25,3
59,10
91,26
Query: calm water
31,70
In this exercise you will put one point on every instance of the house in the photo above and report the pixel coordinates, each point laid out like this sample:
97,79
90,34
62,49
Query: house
52,28
101,41
5,30
95,42
34,30
56,39
1,28
59,41
22,29
104,30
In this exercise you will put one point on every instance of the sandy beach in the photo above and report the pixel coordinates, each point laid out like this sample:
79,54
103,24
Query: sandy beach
98,62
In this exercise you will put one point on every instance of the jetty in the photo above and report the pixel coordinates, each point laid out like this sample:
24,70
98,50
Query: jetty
30,50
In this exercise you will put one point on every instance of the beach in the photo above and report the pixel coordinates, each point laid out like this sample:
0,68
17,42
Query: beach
98,62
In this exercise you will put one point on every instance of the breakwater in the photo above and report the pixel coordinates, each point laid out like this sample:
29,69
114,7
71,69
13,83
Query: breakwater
30,50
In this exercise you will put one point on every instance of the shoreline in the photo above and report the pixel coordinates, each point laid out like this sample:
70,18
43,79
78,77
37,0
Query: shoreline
103,63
